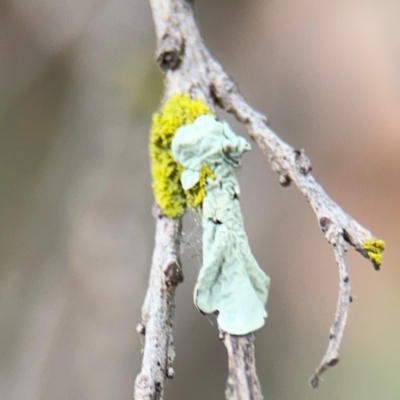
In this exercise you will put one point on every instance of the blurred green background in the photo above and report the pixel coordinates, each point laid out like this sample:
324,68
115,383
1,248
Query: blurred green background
78,85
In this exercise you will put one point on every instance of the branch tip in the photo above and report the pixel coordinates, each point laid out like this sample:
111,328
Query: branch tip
331,357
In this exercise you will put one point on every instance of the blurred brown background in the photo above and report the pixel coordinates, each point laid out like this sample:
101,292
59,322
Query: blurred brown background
78,85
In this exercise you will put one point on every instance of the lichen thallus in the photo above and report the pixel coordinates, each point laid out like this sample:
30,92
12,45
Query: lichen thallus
195,161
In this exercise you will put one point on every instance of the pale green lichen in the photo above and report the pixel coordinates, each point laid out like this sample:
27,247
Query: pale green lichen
177,111
230,281
374,249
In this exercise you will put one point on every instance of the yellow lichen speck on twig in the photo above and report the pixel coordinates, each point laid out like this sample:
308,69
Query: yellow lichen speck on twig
374,249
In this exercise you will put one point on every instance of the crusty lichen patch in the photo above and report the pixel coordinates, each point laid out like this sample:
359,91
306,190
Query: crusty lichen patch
374,249
178,110
195,195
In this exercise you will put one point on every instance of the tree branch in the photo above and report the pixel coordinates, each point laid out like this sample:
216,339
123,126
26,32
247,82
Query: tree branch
190,68
158,309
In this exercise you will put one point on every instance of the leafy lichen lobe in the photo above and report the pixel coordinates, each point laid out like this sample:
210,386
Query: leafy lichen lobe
230,281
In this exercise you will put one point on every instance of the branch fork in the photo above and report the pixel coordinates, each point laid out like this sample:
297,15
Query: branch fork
190,68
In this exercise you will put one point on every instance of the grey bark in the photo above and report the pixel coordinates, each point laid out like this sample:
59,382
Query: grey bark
158,309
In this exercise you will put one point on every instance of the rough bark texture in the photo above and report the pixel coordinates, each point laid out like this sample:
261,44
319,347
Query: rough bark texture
331,357
190,68
243,383
158,309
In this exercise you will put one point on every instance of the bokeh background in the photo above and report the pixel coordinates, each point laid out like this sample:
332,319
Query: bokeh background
78,85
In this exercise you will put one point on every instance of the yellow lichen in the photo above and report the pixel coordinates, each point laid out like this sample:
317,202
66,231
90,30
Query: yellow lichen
374,249
179,110
195,195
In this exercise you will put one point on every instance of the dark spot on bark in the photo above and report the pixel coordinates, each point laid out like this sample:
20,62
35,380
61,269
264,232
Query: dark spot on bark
158,387
171,53
333,362
173,274
347,237
324,223
303,163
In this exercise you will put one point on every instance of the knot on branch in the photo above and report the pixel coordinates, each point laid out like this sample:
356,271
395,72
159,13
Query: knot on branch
170,373
170,52
284,180
302,162
333,233
141,329
173,274
324,223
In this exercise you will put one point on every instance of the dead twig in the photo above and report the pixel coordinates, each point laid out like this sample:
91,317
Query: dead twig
190,68
158,309
331,356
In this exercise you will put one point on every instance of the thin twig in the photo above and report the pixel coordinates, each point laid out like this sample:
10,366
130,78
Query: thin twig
291,165
158,309
294,166
331,356
190,68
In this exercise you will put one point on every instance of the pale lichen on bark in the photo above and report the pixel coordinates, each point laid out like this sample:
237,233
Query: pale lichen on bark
230,281
190,68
